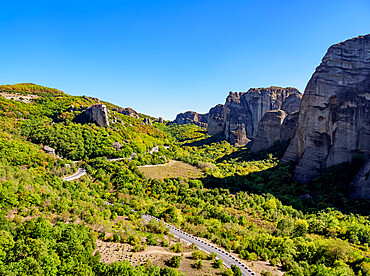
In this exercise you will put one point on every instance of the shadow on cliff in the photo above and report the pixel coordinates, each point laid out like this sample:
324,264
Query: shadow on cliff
208,141
245,154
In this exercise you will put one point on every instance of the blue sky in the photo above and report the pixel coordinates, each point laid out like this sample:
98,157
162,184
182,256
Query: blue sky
165,57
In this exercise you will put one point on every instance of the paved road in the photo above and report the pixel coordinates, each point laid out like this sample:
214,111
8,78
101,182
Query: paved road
80,172
202,245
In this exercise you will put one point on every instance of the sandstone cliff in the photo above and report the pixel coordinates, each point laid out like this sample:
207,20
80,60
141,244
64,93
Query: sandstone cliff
215,119
334,118
191,117
243,111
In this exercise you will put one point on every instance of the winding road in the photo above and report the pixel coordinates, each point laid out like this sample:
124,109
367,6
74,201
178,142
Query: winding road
80,172
226,257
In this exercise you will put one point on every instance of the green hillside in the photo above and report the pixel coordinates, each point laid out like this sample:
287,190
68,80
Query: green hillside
247,203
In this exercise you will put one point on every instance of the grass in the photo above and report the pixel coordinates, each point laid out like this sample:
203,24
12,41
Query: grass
173,169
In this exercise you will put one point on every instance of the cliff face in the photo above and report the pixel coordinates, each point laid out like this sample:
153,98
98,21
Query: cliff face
334,118
191,117
269,129
360,186
96,113
215,119
244,111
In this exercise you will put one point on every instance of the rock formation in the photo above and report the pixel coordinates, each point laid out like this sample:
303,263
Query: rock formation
289,126
334,118
127,111
360,186
147,121
243,111
269,129
160,120
94,114
117,145
49,150
215,119
275,125
191,117
292,103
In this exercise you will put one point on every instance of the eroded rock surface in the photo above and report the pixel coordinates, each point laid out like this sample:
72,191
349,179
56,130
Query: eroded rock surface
96,113
191,117
360,186
215,119
334,118
269,129
244,111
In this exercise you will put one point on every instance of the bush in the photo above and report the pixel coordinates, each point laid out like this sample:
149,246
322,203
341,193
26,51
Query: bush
177,248
274,261
218,263
212,256
174,262
236,270
198,264
199,255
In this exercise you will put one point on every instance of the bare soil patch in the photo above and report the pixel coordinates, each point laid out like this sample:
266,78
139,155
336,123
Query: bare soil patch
19,97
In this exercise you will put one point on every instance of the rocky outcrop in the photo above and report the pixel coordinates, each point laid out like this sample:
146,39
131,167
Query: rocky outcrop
191,117
360,186
269,129
243,111
49,150
215,119
147,121
128,111
334,118
160,120
117,145
97,114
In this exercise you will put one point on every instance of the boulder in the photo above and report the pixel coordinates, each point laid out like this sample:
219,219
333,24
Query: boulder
215,119
269,129
160,120
117,145
334,117
244,110
49,150
191,117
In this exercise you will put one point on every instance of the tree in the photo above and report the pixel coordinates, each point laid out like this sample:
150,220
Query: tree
236,270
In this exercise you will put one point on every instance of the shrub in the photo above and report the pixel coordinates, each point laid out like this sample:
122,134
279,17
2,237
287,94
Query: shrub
174,262
218,263
199,255
177,248
198,264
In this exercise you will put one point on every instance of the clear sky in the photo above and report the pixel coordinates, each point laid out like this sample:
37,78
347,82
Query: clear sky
165,57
